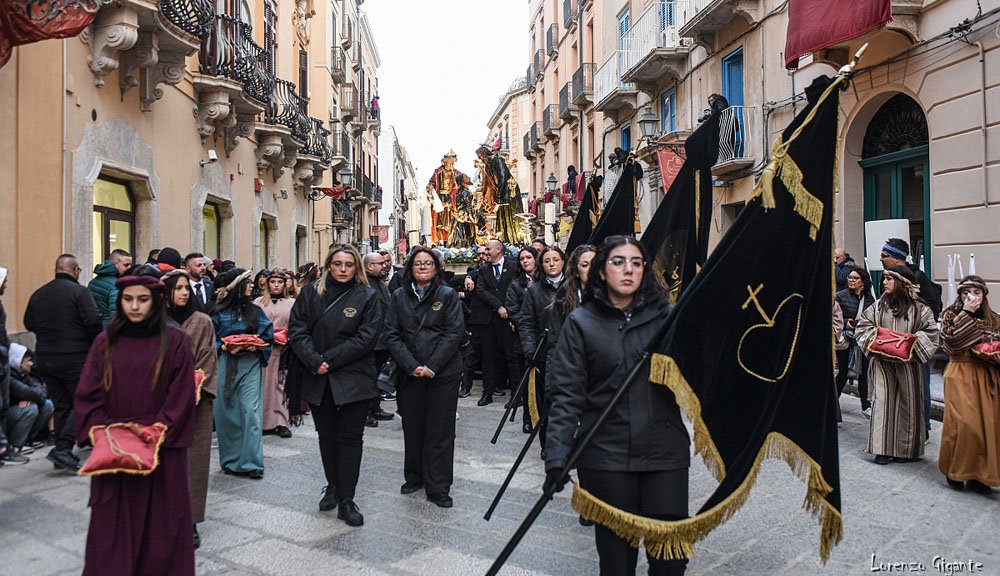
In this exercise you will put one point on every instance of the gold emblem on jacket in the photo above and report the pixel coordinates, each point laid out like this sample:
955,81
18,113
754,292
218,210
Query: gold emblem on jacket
437,306
350,312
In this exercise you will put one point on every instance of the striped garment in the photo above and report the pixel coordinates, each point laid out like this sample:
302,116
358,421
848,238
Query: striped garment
961,330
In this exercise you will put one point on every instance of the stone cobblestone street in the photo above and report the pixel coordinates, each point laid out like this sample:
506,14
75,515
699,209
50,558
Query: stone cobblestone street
898,513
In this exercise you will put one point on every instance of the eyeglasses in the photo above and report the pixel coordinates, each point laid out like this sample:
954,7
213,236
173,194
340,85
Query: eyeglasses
424,264
854,279
620,261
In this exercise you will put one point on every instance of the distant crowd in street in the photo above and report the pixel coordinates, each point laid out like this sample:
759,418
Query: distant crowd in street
189,353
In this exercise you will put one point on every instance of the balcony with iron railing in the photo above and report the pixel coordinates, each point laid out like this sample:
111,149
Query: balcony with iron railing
338,64
348,102
347,33
652,50
147,42
342,215
539,63
287,108
318,142
340,145
552,40
551,121
356,56
536,141
583,85
527,150
368,189
570,13
529,78
739,142
360,123
566,105
611,93
699,19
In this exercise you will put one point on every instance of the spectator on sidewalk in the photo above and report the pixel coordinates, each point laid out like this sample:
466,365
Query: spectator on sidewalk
277,306
498,340
154,254
169,259
842,266
65,320
30,408
102,287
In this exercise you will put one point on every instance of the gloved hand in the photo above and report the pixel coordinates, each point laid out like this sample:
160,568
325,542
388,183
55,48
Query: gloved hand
554,481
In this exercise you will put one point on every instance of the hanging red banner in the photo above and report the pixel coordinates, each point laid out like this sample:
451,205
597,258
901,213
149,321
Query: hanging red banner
382,232
670,165
23,22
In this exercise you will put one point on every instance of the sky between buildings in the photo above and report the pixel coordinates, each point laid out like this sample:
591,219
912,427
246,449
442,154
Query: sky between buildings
445,65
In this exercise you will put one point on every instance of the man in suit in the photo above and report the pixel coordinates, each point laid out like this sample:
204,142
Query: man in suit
497,337
477,319
202,288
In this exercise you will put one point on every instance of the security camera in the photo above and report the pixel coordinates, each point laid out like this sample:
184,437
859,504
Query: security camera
213,157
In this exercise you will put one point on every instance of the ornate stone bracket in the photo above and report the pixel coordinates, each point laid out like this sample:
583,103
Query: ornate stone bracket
144,53
213,113
242,129
114,30
304,173
270,153
169,70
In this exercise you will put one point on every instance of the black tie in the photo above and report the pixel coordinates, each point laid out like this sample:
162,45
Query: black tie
197,292
496,269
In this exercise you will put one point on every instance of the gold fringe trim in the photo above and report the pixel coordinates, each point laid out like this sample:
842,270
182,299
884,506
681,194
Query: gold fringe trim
663,370
532,400
675,539
782,166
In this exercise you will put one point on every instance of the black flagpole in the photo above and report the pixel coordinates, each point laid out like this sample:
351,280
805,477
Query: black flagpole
520,388
513,469
578,449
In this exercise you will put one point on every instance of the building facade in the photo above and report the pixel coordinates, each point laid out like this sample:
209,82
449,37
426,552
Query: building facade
406,221
920,131
208,126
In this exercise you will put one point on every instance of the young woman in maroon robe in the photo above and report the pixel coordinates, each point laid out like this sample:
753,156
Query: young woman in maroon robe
140,370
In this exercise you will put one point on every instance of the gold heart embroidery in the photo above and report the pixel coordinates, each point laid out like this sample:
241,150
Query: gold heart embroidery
769,322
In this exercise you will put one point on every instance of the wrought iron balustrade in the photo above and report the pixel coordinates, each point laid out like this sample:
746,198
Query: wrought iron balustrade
583,83
318,143
229,51
191,16
569,13
286,108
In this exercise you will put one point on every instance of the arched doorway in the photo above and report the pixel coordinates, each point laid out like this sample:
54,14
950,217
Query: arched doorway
896,165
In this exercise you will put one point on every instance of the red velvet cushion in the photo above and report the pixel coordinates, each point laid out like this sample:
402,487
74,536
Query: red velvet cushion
199,380
244,340
892,345
281,336
987,351
125,448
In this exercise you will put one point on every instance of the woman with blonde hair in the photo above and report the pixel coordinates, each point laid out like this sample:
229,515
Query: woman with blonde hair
970,436
897,431
277,306
334,325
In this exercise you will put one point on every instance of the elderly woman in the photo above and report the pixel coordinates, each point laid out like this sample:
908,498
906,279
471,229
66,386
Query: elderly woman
423,330
334,326
970,437
897,427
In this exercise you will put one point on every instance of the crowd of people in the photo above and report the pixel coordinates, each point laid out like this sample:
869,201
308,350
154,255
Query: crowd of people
335,340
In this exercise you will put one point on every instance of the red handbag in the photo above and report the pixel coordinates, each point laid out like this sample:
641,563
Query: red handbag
987,351
124,448
199,381
892,345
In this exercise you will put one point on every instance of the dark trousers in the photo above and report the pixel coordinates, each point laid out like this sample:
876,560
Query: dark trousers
340,430
381,357
660,495
427,406
842,359
61,374
473,359
497,345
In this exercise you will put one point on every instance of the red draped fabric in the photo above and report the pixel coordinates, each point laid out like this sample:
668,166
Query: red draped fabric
670,164
816,24
27,21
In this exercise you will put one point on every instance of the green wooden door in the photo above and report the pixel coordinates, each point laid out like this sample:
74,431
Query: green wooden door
898,185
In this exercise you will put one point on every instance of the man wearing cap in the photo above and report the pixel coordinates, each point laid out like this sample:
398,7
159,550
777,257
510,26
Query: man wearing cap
894,253
65,320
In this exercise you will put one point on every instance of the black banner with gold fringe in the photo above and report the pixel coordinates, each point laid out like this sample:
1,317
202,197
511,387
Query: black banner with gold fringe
748,350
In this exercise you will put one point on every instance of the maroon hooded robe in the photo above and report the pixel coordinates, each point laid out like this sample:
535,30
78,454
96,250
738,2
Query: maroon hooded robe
141,524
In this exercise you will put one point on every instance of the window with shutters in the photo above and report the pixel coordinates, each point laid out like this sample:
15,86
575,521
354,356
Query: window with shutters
271,36
303,73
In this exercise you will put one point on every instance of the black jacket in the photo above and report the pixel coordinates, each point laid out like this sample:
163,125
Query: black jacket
479,313
26,388
376,283
598,347
929,291
63,316
515,296
208,285
427,332
492,291
344,337
534,318
849,303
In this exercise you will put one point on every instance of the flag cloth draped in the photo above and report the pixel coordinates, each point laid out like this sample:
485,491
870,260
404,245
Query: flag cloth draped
685,214
816,24
586,218
619,215
748,350
22,22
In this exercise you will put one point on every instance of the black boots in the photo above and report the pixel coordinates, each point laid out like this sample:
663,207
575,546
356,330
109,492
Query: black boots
349,513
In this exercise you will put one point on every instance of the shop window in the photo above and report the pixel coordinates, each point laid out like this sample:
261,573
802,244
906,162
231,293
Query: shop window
114,218
212,231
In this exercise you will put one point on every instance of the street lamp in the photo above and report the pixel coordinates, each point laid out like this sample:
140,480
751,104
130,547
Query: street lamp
346,177
647,124
551,182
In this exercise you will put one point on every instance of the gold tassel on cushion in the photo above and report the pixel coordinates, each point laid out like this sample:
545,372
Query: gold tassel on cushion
663,370
532,399
675,539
